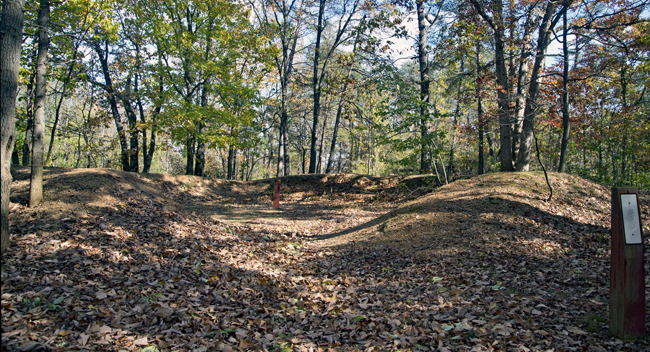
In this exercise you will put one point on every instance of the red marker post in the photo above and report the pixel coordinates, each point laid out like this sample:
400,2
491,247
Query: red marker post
276,194
627,275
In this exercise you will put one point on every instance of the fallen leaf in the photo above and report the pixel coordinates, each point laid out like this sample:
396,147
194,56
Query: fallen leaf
83,339
141,342
575,330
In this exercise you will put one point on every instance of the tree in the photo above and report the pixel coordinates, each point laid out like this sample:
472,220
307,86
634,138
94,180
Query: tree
425,83
497,24
349,9
565,90
281,22
11,33
75,17
38,149
543,39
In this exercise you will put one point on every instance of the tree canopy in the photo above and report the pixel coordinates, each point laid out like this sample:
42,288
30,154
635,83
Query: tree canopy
261,88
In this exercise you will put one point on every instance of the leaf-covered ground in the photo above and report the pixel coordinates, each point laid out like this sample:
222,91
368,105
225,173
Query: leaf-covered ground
114,261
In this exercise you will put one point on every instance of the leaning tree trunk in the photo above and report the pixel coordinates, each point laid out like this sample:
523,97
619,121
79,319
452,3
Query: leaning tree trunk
38,142
110,94
527,138
339,110
11,35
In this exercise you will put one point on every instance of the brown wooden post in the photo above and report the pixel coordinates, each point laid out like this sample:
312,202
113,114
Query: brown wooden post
276,194
627,275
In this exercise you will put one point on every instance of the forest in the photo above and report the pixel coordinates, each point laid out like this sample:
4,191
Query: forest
445,170
257,89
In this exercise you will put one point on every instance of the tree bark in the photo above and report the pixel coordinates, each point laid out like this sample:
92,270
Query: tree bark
11,35
425,164
38,141
565,93
526,140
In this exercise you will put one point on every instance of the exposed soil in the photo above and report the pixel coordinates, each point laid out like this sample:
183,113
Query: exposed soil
120,261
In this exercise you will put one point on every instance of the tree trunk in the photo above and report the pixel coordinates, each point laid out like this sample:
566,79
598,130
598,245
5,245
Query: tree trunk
189,163
425,165
267,174
84,131
565,93
316,86
110,92
285,145
200,151
285,68
27,144
134,143
522,78
339,110
231,163
526,139
281,132
479,112
11,35
36,179
503,97
504,106
200,145
322,140
335,132
452,147
29,114
57,112
147,153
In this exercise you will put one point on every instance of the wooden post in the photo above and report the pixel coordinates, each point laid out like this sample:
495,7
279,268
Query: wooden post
276,194
627,274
